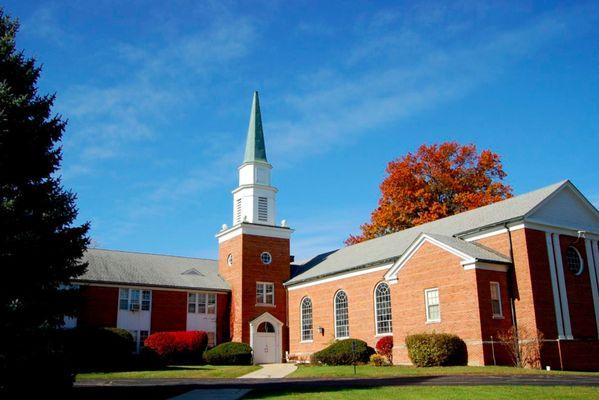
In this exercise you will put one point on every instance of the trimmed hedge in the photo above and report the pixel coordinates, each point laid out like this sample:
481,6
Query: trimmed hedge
230,353
178,346
341,353
99,349
436,349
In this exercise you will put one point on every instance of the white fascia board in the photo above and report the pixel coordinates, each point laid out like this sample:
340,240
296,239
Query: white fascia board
562,230
340,276
491,232
415,246
254,229
485,265
255,187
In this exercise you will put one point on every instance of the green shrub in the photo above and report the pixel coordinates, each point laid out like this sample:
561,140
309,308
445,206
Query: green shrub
230,353
341,353
378,360
436,349
100,349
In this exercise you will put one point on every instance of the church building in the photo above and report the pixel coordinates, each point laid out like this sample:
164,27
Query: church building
529,263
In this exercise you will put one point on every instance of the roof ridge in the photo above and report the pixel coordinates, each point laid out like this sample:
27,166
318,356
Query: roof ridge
556,184
150,254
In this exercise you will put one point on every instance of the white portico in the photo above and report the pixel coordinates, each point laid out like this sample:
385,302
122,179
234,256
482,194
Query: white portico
266,339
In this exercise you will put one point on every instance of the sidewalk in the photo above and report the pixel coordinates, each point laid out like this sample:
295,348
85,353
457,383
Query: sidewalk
270,371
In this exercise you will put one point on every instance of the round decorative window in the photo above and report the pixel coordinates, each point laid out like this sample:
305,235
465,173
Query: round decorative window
230,260
266,258
574,261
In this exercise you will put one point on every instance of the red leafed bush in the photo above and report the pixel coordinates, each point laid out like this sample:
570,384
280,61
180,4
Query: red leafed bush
385,347
179,346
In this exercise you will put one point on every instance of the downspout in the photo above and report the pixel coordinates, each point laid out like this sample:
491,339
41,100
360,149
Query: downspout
510,281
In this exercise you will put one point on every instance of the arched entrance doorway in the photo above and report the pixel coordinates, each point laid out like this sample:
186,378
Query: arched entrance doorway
265,339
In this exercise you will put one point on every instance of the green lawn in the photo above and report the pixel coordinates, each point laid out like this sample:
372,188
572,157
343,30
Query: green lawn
438,392
305,371
184,371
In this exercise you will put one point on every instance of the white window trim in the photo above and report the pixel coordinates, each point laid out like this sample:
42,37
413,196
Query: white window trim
197,303
262,304
302,340
376,314
335,313
426,305
580,259
498,286
129,291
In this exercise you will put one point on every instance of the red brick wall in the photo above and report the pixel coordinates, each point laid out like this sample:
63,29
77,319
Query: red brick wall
169,310
578,289
360,294
247,269
100,306
433,267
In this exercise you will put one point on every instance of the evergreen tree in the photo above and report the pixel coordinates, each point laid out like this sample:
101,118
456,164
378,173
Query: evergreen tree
40,248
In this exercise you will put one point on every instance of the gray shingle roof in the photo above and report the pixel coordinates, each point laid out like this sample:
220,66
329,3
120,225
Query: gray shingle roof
392,246
120,267
474,250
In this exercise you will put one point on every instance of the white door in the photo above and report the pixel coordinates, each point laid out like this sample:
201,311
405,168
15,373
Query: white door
264,348
265,341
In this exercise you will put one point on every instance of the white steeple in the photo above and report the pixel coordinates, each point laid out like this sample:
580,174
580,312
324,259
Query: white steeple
254,198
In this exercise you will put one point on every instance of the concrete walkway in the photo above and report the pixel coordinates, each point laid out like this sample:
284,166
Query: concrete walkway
270,371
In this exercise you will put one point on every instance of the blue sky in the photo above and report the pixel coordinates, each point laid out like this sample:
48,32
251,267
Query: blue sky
158,96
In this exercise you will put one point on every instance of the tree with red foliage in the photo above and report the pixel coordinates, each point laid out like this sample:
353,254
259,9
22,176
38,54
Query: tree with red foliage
180,346
437,181
385,347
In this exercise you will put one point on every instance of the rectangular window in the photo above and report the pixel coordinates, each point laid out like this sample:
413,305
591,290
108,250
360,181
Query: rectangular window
146,298
262,209
191,303
265,293
433,312
211,309
123,299
201,303
496,300
143,335
134,300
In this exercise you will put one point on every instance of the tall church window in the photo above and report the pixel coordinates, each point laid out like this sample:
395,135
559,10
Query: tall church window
341,315
433,311
496,300
382,308
306,322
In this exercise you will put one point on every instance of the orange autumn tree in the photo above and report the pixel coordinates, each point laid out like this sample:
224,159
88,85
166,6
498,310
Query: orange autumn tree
437,181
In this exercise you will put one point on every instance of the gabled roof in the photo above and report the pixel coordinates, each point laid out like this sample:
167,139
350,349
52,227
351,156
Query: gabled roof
255,149
476,251
392,246
128,268
469,252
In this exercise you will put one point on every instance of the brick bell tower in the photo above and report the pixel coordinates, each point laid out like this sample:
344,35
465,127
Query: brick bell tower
254,254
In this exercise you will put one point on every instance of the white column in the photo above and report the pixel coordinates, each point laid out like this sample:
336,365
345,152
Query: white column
559,264
592,264
554,287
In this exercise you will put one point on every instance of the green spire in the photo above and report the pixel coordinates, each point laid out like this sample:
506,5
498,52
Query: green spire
254,145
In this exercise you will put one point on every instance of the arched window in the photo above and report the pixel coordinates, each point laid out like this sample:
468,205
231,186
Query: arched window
306,323
266,327
341,315
382,308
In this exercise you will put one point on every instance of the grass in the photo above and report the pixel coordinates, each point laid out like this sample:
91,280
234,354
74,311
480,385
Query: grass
305,371
185,371
437,392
